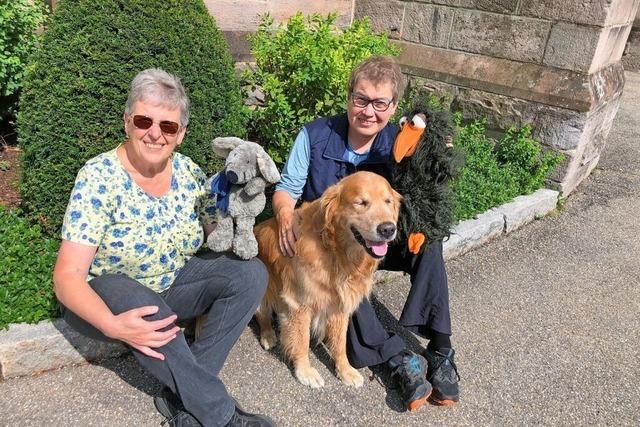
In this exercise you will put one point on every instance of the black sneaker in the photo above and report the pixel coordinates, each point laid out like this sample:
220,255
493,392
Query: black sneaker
170,406
410,375
443,376
241,418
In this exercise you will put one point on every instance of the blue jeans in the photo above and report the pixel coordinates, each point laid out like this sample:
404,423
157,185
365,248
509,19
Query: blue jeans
228,288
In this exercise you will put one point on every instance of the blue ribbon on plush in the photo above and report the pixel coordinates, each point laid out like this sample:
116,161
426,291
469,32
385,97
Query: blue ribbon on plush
220,187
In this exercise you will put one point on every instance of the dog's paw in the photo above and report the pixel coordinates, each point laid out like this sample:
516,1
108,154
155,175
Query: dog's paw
309,376
350,376
268,340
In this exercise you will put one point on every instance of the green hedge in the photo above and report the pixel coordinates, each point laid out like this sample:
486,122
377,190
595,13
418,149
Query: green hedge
28,256
74,95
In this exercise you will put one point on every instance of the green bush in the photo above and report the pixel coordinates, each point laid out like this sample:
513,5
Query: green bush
303,68
28,256
19,21
74,95
494,173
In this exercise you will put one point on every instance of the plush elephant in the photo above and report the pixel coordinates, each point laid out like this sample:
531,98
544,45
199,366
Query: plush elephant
239,190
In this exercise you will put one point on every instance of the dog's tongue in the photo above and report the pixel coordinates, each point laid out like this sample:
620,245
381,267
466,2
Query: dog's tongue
378,248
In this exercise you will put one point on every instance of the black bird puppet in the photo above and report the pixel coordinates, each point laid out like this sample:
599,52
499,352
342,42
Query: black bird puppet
425,161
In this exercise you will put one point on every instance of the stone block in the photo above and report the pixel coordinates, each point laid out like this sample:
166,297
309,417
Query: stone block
558,128
237,15
546,85
239,45
28,349
499,6
524,209
427,24
572,46
590,12
622,12
511,37
470,234
386,16
610,47
281,10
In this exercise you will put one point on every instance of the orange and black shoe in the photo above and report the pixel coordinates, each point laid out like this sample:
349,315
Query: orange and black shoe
409,370
442,373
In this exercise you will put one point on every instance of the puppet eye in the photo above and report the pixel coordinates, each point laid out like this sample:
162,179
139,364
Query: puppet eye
403,120
418,121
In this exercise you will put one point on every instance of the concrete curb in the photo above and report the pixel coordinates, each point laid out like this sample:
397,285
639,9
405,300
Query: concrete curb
31,349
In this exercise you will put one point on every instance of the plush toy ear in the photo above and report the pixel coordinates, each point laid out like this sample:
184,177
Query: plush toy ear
222,146
267,167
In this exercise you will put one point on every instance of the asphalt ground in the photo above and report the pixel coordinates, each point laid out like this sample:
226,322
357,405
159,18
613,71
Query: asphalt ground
546,328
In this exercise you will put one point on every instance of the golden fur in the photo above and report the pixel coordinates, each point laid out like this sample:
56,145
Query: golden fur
321,286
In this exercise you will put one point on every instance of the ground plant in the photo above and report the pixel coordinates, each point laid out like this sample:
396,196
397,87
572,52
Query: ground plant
73,97
302,67
26,290
497,171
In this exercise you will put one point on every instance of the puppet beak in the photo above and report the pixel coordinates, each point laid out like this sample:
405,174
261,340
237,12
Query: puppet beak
409,137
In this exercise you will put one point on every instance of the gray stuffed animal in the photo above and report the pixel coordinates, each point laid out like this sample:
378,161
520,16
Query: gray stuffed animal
239,193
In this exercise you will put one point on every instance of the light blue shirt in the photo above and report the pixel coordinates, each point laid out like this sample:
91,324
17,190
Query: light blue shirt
294,175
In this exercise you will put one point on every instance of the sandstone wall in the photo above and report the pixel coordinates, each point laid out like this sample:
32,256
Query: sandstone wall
631,55
554,63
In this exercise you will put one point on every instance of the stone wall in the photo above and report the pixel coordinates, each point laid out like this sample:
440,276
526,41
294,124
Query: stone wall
239,18
554,63
631,55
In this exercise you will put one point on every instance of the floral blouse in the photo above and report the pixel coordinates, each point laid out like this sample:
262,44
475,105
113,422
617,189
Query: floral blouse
144,237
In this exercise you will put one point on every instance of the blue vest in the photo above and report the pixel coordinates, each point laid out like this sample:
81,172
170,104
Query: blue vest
328,141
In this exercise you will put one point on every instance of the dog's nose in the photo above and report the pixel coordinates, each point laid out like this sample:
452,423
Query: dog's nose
386,229
232,177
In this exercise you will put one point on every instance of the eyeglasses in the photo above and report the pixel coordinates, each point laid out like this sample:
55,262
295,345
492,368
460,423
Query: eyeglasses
379,104
166,126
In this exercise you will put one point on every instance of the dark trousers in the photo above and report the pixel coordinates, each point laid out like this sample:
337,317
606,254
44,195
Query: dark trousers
228,289
426,309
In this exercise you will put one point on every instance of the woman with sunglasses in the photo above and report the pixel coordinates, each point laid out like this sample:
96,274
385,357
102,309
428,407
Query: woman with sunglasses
127,267
327,150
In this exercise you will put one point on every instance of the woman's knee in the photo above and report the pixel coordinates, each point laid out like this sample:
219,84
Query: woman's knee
121,293
253,277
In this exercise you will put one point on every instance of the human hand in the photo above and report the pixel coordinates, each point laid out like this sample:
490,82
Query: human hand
143,335
287,228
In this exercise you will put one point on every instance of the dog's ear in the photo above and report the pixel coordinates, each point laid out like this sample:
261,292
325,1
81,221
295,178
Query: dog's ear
222,146
267,167
329,205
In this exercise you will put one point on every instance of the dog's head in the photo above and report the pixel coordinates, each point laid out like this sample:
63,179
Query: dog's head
362,209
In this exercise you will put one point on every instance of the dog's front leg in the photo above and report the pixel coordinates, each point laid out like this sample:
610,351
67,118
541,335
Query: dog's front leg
337,342
295,337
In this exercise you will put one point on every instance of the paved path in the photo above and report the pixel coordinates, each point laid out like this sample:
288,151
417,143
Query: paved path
546,325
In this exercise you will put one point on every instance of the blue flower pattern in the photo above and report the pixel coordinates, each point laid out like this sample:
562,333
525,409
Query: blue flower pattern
147,238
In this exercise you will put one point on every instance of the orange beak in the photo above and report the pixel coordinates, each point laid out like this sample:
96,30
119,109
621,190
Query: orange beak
407,141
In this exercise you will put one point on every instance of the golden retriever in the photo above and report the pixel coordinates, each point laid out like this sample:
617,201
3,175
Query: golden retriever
341,239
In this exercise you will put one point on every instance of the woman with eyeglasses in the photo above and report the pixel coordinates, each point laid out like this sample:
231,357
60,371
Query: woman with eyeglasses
127,267
331,148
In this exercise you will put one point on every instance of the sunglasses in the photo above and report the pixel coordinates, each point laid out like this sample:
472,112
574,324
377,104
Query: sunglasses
379,104
166,126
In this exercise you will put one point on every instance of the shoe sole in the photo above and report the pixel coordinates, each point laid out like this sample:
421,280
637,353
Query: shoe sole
418,403
443,402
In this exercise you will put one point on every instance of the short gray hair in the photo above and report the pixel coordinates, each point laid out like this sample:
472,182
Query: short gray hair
156,85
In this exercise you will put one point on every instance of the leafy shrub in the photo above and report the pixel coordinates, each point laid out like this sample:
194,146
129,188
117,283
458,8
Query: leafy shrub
28,256
19,21
74,95
494,173
303,68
